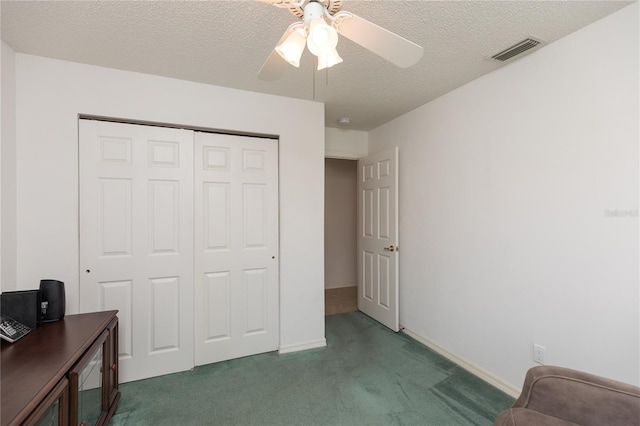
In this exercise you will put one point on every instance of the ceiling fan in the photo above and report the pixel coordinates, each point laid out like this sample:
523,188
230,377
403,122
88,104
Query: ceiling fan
321,22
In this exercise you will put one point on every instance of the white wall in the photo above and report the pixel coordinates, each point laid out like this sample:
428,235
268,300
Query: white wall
340,223
507,186
7,169
51,94
345,143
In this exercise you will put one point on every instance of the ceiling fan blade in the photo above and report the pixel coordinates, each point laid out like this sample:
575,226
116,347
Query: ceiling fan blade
279,3
273,67
384,43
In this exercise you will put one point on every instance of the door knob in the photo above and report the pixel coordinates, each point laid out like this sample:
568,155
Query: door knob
391,248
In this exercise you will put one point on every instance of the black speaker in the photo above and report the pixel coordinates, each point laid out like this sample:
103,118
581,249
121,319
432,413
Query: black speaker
23,306
52,300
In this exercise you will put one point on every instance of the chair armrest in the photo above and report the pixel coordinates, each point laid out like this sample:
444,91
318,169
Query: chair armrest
580,397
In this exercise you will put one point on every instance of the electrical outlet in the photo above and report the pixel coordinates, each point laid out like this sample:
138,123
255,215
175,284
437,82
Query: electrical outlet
538,354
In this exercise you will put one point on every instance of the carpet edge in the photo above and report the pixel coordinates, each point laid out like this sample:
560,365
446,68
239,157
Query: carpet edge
467,365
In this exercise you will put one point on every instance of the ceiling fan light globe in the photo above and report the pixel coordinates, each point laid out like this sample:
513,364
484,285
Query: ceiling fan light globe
322,38
329,60
291,48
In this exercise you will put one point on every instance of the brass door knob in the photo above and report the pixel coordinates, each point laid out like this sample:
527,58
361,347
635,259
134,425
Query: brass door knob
391,248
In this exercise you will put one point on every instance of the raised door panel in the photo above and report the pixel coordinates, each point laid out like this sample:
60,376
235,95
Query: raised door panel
164,217
115,217
255,301
217,215
118,295
367,275
254,216
165,315
368,210
217,290
384,281
384,217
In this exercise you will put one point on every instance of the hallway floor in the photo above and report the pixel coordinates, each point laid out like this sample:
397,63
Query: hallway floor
340,300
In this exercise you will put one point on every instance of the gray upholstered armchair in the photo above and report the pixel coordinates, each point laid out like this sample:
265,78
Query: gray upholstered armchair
555,396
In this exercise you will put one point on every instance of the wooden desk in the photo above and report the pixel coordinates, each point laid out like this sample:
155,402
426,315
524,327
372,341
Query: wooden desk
42,368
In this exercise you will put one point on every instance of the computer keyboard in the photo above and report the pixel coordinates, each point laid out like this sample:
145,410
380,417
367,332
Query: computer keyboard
11,330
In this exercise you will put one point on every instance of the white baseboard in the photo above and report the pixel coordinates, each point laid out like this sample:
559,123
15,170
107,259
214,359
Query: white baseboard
296,347
467,365
341,286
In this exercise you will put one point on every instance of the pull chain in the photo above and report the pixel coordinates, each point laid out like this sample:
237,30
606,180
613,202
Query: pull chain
313,71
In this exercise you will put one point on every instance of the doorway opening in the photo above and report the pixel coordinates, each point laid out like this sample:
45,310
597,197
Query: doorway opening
340,236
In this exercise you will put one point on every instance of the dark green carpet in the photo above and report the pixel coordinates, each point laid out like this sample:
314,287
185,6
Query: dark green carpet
367,375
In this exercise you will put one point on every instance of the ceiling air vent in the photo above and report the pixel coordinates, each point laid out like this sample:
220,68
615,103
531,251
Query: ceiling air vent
517,49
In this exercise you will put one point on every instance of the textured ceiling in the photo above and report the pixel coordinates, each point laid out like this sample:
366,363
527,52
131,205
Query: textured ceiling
226,42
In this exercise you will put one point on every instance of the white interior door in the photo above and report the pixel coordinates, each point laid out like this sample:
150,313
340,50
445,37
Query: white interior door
378,237
136,241
236,256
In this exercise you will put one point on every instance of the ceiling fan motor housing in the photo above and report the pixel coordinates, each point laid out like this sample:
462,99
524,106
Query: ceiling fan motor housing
332,6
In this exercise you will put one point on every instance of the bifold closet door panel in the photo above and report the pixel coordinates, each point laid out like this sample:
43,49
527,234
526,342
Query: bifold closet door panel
137,241
236,255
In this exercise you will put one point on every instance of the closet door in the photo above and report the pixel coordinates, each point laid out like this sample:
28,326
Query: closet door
236,255
136,241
